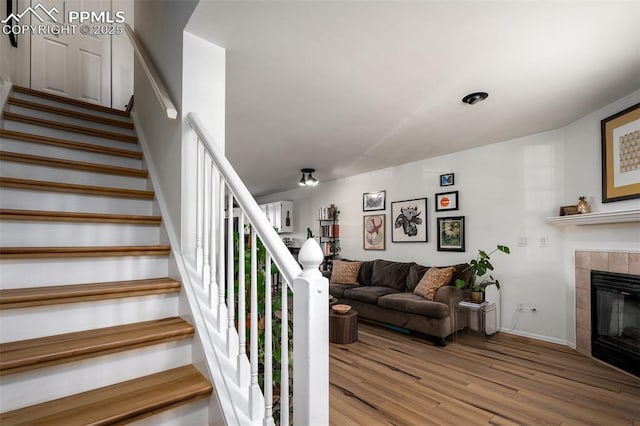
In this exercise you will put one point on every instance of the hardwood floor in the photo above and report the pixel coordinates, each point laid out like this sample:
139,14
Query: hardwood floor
389,378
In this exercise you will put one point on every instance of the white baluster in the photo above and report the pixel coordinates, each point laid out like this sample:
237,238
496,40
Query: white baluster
256,400
310,337
199,193
284,361
243,362
268,346
206,221
214,232
232,336
222,308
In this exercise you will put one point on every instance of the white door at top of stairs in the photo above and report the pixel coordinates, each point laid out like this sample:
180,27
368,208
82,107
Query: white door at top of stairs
74,63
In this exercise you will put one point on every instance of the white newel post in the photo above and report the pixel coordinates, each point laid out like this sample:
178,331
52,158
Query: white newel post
310,340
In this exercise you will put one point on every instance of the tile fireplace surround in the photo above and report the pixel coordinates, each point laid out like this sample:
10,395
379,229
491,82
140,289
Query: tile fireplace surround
621,262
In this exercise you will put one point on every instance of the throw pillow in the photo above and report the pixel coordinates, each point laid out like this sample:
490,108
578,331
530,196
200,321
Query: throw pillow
345,272
432,280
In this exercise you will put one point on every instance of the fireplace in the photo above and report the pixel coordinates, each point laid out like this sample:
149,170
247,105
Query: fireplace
615,319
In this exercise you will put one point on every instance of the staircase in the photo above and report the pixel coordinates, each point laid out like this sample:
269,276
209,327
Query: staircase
92,329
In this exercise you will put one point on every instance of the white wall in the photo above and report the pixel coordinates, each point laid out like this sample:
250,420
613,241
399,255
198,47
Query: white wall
159,26
122,58
506,190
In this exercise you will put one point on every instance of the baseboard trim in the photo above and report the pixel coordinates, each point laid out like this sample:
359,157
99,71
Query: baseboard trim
535,336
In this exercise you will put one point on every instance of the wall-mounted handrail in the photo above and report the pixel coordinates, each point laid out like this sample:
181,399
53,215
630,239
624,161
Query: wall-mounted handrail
281,256
152,74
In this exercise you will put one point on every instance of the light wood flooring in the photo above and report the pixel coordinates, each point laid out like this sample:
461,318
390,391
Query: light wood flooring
389,378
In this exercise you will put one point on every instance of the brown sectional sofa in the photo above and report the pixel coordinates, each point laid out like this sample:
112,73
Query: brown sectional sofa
385,294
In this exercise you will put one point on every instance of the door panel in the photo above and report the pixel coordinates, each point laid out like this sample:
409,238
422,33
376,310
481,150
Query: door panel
73,65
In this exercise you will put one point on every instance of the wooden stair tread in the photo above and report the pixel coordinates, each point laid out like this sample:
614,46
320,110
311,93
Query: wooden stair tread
119,403
69,101
52,295
69,127
69,113
59,216
70,164
62,348
81,146
82,251
39,185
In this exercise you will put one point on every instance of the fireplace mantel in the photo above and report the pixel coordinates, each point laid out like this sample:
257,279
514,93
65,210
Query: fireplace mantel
597,218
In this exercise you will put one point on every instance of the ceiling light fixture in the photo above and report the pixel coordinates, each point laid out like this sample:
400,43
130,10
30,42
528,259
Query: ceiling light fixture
474,98
307,180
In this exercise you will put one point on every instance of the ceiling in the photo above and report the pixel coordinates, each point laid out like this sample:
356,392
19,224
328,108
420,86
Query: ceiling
349,87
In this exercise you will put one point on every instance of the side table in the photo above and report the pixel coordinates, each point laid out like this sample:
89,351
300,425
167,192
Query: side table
343,328
480,318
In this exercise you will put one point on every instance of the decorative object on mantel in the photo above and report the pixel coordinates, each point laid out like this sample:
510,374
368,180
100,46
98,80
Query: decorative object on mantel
479,267
583,206
599,218
568,210
621,155
447,179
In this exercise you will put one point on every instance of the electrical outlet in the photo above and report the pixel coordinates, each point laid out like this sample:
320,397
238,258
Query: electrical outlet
544,242
520,307
522,242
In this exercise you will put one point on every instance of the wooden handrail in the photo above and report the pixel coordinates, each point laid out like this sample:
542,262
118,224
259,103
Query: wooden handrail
152,74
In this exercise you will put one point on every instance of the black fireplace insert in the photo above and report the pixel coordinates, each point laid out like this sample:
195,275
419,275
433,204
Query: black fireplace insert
615,319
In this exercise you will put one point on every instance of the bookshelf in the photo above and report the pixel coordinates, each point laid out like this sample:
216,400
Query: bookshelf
329,235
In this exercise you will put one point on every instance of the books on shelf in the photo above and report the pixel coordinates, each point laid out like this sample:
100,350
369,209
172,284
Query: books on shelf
468,303
330,231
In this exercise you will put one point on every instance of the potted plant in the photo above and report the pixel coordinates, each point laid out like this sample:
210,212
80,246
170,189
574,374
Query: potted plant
479,267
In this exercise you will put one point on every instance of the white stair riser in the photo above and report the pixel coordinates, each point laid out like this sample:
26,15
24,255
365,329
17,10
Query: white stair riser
194,413
39,321
59,118
68,153
63,134
24,273
30,233
32,387
62,175
67,106
11,198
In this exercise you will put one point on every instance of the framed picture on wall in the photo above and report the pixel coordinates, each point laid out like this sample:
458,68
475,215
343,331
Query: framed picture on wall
447,179
409,221
447,201
372,201
373,231
451,233
621,155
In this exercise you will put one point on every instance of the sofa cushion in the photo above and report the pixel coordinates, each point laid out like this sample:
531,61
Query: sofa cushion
416,272
337,290
386,273
414,304
364,276
368,294
432,280
345,272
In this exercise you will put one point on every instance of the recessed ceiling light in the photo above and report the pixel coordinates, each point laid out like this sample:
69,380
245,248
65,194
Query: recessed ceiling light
474,98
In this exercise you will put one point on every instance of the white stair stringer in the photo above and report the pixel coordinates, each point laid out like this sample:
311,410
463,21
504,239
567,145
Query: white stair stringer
34,386
231,399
